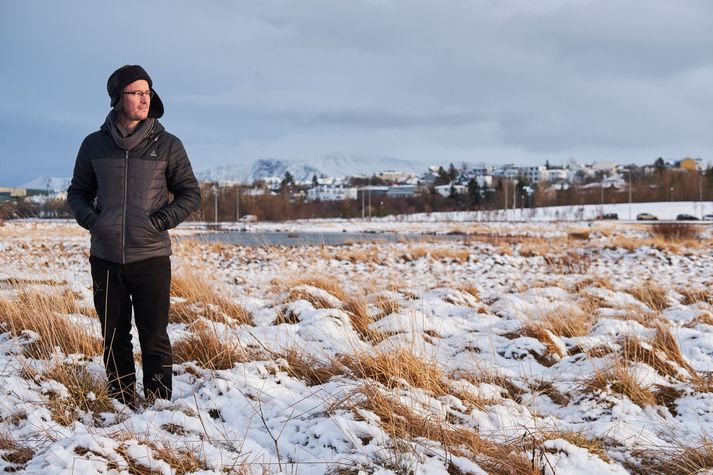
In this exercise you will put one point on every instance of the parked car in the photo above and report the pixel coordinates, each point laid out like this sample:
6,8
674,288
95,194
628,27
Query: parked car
686,217
708,217
608,216
646,217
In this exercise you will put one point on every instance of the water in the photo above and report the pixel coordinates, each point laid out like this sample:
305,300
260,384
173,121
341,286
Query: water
310,238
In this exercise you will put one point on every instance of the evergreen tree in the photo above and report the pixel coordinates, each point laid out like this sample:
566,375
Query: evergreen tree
452,172
473,192
287,182
443,177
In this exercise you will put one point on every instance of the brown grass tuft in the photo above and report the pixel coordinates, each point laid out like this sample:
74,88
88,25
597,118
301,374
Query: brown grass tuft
650,294
315,299
181,460
619,380
15,453
361,318
395,367
401,422
578,235
598,281
691,297
387,305
327,284
304,366
209,350
85,393
196,288
675,231
46,315
572,262
686,459
570,322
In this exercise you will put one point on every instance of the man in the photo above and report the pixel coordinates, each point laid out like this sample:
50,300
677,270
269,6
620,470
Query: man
120,193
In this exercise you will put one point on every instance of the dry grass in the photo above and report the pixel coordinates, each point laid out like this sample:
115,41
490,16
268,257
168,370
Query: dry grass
361,318
402,422
327,284
571,262
595,446
619,380
691,297
578,234
704,318
387,305
317,301
665,342
597,281
396,367
686,459
570,322
182,460
206,348
86,393
357,255
488,376
196,288
538,332
305,366
676,232
46,315
15,453
650,294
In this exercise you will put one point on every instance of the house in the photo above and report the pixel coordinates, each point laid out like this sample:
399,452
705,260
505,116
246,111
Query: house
445,190
331,193
401,191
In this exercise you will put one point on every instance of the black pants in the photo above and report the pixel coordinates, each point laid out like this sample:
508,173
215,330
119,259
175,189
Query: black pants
145,286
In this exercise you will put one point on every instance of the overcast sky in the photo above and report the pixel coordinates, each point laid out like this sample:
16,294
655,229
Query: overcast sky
435,81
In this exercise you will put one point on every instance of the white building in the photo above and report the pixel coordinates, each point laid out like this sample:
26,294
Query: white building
445,190
557,174
331,193
532,173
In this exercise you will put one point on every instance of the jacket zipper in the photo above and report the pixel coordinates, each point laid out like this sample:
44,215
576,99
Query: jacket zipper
123,211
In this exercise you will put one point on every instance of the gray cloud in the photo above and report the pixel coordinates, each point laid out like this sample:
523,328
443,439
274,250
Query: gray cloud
517,81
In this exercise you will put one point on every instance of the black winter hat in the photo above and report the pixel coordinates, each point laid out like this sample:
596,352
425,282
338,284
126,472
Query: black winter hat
124,76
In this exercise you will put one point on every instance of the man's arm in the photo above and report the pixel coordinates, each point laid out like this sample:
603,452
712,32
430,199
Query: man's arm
83,190
183,184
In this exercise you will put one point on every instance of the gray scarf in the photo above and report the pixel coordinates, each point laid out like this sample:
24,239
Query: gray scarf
128,143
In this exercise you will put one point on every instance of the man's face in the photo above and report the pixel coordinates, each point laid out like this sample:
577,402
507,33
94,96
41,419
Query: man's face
133,107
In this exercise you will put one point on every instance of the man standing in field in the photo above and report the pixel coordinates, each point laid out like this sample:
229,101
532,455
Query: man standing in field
123,178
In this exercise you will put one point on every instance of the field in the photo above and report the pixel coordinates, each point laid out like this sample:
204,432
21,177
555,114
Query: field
532,348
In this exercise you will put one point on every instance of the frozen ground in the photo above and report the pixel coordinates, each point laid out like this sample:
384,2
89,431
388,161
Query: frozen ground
521,348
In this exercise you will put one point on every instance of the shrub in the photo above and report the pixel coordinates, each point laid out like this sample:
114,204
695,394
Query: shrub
675,231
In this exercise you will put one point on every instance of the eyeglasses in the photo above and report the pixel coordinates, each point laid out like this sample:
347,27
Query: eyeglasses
140,94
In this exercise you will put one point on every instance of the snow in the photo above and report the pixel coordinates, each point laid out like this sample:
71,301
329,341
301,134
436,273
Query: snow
463,316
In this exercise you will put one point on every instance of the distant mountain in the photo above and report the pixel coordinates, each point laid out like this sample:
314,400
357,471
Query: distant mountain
333,165
53,184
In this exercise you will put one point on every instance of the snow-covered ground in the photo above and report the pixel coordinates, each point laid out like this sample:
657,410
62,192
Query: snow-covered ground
527,331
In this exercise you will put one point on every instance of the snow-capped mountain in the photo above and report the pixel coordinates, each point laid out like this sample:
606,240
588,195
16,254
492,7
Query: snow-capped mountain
53,184
333,165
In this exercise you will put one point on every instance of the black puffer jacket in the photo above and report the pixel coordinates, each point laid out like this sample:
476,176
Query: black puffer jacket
122,196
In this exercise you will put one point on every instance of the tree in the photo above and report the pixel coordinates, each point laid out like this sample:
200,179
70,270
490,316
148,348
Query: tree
452,172
287,182
315,182
473,192
443,177
453,193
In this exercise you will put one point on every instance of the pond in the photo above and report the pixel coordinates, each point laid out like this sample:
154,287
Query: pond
312,238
